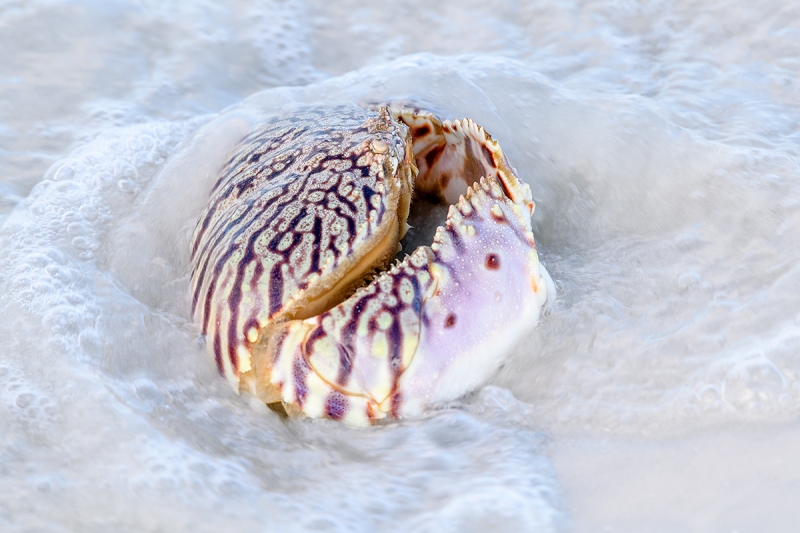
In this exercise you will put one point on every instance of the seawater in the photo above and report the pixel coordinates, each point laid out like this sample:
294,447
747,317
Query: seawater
659,392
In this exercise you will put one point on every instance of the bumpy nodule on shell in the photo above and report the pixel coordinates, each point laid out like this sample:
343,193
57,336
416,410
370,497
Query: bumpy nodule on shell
313,204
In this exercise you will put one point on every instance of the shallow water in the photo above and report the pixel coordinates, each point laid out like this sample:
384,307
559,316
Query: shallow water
660,392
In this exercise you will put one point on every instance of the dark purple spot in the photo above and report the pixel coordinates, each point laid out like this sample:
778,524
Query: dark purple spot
300,370
421,131
416,303
317,233
395,349
275,289
433,155
450,321
336,405
492,261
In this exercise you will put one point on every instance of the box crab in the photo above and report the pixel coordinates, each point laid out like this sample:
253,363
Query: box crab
294,277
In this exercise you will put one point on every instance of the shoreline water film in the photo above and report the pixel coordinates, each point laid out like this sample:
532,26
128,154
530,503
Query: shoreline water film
660,391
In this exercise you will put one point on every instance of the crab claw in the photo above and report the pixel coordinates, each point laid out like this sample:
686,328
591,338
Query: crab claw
429,329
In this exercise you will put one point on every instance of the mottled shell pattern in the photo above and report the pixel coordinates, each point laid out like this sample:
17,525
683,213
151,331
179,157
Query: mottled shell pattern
292,276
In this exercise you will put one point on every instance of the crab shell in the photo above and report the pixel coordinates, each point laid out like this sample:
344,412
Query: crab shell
311,207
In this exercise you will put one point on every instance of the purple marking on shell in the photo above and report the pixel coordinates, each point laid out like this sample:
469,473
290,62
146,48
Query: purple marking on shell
300,370
397,402
336,405
218,353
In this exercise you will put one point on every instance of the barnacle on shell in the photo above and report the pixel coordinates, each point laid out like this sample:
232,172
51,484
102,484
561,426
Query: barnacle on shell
292,277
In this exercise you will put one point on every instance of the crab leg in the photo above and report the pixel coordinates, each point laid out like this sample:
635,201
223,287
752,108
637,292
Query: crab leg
431,328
